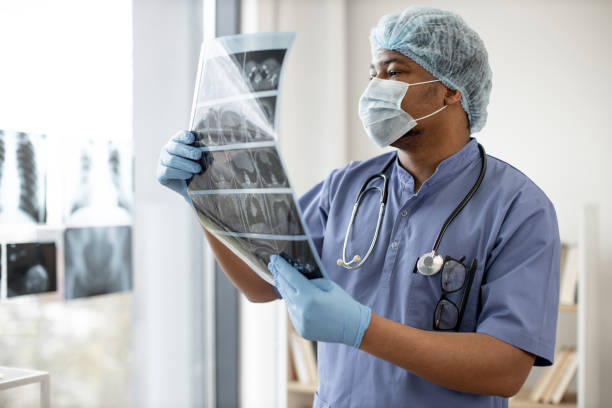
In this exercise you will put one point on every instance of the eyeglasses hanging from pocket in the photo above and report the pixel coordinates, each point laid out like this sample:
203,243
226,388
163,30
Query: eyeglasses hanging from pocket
454,276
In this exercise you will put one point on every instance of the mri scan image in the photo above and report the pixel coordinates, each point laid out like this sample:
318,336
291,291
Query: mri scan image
269,167
98,261
230,215
283,215
22,178
208,130
31,268
260,250
207,205
244,121
241,72
243,166
243,195
227,77
267,105
219,169
262,68
217,172
233,124
240,169
255,213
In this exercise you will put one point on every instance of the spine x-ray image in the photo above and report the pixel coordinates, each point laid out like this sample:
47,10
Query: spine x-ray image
97,261
22,178
99,189
243,196
31,268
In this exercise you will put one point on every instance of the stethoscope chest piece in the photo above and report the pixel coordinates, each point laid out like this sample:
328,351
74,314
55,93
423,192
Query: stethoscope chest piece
429,263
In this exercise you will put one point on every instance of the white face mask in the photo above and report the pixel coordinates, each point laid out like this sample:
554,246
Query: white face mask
380,110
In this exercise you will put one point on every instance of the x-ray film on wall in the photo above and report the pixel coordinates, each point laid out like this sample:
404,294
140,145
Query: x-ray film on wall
98,261
22,178
31,268
98,183
244,196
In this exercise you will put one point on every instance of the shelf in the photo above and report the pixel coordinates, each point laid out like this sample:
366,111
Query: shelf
521,400
294,386
567,308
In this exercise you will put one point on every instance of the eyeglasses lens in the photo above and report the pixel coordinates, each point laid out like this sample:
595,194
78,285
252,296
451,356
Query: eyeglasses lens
446,315
453,276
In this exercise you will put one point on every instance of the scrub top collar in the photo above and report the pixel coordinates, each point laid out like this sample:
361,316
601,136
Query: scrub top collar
446,168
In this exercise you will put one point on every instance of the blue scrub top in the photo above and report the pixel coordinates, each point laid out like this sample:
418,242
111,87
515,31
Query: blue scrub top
509,226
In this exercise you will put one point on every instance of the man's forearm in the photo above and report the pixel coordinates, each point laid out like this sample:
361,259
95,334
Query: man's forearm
469,362
243,278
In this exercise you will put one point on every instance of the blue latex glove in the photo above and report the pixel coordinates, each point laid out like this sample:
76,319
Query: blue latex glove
319,309
177,163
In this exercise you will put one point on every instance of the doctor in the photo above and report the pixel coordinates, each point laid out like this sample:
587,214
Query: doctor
462,329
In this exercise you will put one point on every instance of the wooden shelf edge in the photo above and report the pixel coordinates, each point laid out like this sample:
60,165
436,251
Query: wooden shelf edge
563,307
294,386
521,400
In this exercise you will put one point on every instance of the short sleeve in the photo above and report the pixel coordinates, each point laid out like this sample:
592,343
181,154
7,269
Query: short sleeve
314,207
519,300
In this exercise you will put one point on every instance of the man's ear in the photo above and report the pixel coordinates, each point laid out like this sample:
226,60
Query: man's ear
452,96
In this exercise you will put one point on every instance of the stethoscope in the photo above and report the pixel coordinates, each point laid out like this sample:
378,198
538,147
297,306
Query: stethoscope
429,263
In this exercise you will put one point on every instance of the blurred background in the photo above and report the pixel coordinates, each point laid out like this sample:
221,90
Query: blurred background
133,311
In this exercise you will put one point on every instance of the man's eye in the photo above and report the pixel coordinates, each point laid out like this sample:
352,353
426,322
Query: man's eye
391,73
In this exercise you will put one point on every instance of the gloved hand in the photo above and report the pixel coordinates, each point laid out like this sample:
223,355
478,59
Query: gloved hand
319,309
177,163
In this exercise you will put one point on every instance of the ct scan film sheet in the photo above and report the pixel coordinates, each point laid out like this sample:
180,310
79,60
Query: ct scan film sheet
244,196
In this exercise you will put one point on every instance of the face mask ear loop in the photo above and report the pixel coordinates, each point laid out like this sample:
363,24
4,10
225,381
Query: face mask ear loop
431,114
425,82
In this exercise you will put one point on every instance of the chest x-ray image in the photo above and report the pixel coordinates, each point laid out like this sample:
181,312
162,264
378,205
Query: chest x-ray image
98,261
23,175
98,178
31,268
244,196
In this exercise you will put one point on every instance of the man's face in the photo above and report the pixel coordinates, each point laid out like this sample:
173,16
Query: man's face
420,100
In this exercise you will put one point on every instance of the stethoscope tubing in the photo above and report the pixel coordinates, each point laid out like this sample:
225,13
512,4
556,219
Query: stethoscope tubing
383,202
468,196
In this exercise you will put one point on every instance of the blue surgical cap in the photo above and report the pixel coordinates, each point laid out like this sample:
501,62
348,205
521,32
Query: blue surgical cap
443,44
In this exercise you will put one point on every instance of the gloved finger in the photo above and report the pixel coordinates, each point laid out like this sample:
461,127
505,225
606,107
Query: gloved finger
281,288
183,136
291,275
170,160
170,173
323,283
183,150
285,287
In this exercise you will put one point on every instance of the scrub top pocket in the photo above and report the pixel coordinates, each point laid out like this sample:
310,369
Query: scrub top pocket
424,293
